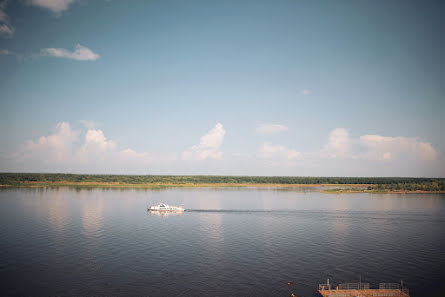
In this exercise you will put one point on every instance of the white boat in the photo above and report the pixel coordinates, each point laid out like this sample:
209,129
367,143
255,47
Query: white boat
165,207
165,214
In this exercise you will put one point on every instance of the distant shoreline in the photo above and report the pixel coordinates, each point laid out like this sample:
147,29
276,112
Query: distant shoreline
351,191
33,184
337,185
338,188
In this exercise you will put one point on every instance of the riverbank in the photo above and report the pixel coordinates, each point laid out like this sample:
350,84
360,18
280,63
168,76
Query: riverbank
332,185
33,184
333,188
377,191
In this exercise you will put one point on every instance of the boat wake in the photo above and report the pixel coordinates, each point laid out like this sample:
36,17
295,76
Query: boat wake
239,211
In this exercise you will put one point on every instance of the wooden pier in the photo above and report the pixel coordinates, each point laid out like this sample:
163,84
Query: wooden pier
362,290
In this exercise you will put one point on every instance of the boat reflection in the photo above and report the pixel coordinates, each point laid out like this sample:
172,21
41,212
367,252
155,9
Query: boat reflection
166,213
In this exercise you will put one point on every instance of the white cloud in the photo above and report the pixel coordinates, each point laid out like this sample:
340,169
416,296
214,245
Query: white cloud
100,151
56,147
306,92
81,53
387,148
129,155
6,30
339,144
64,149
268,129
90,151
4,52
56,6
278,154
95,141
387,156
376,147
3,15
208,147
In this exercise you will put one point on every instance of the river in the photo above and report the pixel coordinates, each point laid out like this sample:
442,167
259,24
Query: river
229,242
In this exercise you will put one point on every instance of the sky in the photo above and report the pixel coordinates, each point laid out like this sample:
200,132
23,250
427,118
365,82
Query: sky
293,88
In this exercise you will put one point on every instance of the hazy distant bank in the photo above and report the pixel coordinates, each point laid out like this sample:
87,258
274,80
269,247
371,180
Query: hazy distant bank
342,184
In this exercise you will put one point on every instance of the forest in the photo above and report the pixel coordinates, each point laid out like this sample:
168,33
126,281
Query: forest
373,183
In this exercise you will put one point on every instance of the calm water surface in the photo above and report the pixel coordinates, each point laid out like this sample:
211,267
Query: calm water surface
233,242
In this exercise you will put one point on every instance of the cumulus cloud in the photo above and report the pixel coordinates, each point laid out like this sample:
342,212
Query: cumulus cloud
81,53
269,129
65,149
270,151
278,155
3,15
208,147
376,147
129,155
89,150
56,147
97,149
6,30
96,145
386,148
5,52
338,145
56,6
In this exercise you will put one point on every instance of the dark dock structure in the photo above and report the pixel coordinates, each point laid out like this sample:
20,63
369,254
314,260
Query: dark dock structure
362,290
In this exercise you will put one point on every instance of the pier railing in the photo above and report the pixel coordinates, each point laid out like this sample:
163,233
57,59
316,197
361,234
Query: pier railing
362,289
354,286
324,287
393,286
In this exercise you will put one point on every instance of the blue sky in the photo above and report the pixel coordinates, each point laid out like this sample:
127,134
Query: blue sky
338,88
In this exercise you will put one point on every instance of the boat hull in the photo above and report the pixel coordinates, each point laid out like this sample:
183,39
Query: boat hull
165,207
165,210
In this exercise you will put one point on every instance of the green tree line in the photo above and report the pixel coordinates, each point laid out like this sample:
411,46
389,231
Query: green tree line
382,183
